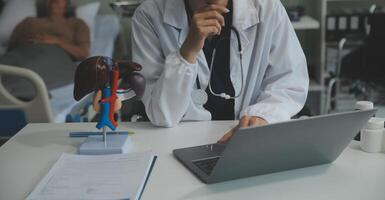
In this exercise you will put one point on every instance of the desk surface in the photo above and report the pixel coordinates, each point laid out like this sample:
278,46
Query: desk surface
27,157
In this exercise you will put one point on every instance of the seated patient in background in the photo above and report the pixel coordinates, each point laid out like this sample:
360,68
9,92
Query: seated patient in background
56,25
49,44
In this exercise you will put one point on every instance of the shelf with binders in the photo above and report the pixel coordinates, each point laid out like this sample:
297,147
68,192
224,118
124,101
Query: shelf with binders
306,23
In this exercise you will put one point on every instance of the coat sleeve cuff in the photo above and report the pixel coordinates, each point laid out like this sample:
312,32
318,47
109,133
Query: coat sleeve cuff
175,64
184,61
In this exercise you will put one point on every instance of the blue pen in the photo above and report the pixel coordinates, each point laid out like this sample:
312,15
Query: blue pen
86,134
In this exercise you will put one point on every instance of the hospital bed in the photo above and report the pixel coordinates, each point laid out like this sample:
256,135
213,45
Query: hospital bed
105,32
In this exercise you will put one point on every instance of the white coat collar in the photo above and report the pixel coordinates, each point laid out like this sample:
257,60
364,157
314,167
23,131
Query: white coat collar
245,14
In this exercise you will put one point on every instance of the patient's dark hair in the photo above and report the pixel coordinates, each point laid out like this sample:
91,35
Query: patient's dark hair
42,9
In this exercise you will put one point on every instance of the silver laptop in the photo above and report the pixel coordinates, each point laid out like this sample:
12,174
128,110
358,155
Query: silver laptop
274,148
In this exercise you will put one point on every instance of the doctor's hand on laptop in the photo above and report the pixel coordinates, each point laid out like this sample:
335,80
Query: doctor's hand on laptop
244,122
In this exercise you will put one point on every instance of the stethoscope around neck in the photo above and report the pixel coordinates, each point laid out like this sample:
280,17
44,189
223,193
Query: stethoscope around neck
200,96
224,95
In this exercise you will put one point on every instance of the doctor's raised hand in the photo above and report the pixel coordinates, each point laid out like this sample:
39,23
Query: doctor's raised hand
205,23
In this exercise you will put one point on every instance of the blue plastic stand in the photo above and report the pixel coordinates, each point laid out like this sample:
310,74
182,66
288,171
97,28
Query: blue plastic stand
115,144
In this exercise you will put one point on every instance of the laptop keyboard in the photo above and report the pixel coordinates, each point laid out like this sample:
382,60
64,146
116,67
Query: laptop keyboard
206,165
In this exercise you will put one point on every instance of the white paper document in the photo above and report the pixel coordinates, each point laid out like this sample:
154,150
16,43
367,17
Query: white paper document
79,177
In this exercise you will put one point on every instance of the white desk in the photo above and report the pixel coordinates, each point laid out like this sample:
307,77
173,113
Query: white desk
27,157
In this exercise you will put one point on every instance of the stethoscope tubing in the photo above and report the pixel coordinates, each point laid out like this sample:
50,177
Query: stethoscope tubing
240,51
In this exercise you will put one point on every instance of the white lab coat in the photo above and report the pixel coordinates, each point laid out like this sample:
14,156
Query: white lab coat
274,64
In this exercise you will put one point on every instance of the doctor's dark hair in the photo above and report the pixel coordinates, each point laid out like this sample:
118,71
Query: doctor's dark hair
43,10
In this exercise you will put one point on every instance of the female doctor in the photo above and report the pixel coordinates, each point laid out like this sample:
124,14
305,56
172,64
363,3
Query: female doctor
219,60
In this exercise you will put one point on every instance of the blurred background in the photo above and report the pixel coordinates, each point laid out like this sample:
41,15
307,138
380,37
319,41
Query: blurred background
344,41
